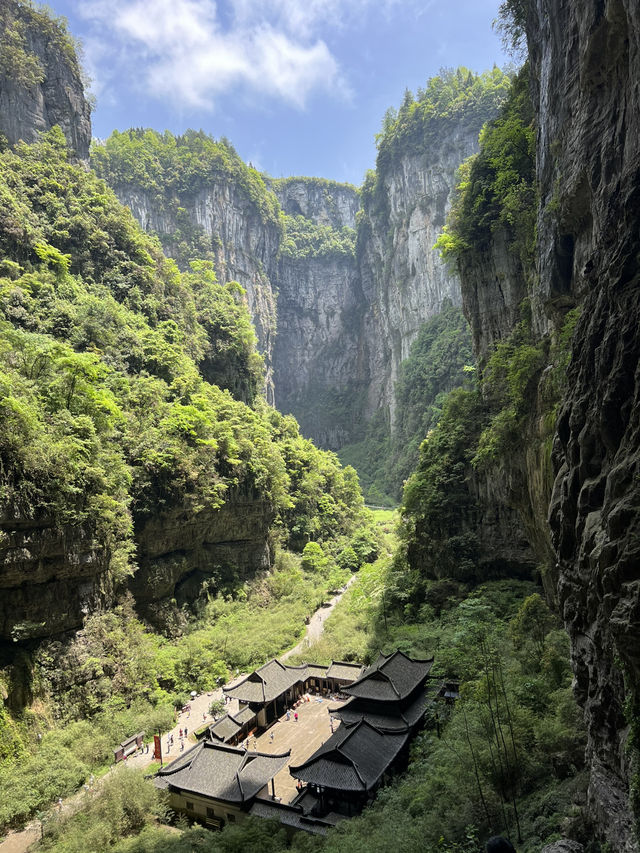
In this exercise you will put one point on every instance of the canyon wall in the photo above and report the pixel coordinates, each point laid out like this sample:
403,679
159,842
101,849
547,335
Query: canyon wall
346,314
403,278
40,80
586,62
579,498
243,243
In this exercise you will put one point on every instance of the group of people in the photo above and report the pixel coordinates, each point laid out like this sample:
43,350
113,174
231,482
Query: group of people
182,735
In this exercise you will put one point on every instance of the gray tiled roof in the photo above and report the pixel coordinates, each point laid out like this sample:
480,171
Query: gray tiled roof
390,678
385,716
308,670
316,669
224,728
344,671
353,759
293,816
245,715
222,772
264,684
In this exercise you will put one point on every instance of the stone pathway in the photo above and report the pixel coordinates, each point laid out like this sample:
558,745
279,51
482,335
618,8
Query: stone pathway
21,841
303,737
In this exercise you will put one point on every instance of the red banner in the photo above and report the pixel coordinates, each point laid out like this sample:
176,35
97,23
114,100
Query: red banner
157,748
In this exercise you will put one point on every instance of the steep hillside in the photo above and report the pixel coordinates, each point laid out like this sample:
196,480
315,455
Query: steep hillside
202,201
40,78
129,447
136,448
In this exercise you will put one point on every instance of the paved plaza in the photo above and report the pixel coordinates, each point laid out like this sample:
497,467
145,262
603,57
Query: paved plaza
302,737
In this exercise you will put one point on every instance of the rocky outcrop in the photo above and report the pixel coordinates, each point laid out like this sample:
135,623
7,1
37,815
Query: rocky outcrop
186,549
586,63
40,79
321,201
50,577
494,285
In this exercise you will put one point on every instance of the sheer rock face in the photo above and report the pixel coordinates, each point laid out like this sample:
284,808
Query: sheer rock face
404,281
493,286
318,348
586,62
503,536
245,247
319,353
58,99
185,547
585,513
50,577
323,202
344,324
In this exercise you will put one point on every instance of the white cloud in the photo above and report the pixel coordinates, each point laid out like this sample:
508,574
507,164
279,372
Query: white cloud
192,51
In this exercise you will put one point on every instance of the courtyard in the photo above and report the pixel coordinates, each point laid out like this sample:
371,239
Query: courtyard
303,737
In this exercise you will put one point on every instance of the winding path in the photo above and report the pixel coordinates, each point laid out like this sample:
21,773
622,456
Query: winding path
315,626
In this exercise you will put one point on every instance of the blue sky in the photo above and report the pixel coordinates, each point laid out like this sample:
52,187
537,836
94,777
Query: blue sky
298,86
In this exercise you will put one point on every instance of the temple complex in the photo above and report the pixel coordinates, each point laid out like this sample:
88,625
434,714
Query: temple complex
338,731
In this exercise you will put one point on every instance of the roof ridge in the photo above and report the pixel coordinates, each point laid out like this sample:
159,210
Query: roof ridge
351,730
193,751
355,767
239,783
389,680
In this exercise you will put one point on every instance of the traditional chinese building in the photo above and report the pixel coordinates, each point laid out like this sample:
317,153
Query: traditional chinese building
217,784
387,704
274,687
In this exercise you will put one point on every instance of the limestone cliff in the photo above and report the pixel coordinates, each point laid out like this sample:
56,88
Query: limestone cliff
345,327
585,64
187,548
50,577
321,201
40,79
345,318
243,243
403,279
346,322
586,71
319,353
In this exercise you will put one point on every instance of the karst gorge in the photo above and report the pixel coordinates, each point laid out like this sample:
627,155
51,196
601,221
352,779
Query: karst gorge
225,397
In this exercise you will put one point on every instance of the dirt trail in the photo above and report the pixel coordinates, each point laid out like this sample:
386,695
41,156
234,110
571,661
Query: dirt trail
316,625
